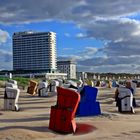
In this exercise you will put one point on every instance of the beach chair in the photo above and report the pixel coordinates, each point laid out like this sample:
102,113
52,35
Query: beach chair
134,88
88,105
114,83
61,81
63,113
11,97
90,83
80,83
12,81
8,84
125,100
98,83
53,86
32,89
43,89
71,84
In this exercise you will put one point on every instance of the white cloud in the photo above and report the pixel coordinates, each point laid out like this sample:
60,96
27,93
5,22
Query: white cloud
5,60
112,29
105,61
123,68
33,10
3,36
5,56
119,64
69,57
80,35
121,48
67,49
87,53
67,34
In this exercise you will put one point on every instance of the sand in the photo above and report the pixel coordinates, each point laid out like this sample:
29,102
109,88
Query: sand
31,122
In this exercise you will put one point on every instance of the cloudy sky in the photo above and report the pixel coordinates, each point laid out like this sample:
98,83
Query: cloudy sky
101,35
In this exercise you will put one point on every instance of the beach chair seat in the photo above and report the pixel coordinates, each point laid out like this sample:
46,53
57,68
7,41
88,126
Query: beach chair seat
11,97
63,113
88,109
61,120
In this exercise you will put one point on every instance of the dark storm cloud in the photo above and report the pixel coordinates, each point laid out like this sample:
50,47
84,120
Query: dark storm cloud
15,11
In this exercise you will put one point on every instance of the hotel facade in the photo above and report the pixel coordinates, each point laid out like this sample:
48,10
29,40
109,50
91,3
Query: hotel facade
34,51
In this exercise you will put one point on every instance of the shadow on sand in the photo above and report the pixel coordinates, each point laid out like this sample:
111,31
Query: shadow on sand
25,119
33,128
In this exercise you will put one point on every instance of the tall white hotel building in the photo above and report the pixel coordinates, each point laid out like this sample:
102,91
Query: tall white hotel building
34,51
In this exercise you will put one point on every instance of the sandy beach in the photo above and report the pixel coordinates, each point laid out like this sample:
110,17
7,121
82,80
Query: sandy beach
32,121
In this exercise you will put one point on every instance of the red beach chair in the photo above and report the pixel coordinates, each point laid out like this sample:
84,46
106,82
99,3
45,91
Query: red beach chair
62,115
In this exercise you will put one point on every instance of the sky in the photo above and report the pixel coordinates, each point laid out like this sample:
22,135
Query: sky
100,35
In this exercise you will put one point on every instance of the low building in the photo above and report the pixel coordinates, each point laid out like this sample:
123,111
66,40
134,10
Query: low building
68,67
